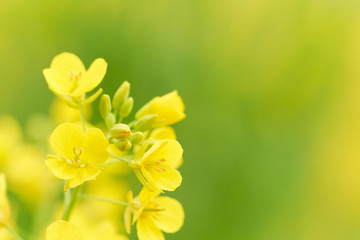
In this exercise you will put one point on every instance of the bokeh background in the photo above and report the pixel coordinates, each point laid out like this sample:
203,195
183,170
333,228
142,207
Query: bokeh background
272,94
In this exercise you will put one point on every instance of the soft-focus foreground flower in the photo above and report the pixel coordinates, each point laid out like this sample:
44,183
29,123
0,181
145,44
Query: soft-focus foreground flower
77,153
153,214
168,108
63,230
67,75
4,203
158,164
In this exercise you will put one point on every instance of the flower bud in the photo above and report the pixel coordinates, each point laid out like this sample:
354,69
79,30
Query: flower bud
105,106
120,131
121,95
137,137
126,108
146,122
123,145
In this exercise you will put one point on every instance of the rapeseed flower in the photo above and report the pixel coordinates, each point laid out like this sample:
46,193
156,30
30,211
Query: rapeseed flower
168,108
155,165
153,214
77,153
67,75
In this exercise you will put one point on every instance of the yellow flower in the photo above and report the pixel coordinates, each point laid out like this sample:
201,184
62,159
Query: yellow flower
153,215
168,108
4,202
67,75
62,230
10,138
156,167
77,153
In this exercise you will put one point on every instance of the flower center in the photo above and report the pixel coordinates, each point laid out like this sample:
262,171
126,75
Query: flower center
76,162
157,164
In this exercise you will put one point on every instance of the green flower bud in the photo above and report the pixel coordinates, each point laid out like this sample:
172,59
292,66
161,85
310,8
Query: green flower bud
110,120
121,95
126,108
120,131
105,106
146,122
137,137
123,145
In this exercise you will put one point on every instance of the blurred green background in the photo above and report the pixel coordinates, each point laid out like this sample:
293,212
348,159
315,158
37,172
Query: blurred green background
271,90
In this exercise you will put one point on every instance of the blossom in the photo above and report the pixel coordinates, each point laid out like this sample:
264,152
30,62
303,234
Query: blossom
67,75
168,108
156,167
77,153
153,214
63,230
4,202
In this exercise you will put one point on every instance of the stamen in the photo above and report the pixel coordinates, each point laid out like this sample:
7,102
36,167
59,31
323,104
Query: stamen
160,161
160,169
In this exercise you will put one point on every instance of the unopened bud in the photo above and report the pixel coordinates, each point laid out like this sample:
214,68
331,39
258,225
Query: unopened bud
123,145
110,120
121,95
120,131
146,122
137,137
105,106
126,108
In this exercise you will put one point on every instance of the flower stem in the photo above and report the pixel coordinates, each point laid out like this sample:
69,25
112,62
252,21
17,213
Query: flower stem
69,203
13,233
82,116
96,198
119,158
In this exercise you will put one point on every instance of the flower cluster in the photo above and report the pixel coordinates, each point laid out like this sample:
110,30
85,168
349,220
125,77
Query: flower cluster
93,158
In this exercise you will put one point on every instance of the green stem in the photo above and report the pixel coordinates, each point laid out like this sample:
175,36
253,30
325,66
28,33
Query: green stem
119,158
13,233
96,198
70,200
82,116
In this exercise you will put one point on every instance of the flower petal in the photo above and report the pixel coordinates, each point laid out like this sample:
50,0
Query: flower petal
57,83
170,150
62,230
64,138
167,180
82,174
60,168
66,62
92,78
147,229
172,219
162,133
95,147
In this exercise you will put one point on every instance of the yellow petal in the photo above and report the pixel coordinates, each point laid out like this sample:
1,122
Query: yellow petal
147,229
92,78
170,150
62,230
64,138
172,219
82,174
169,108
167,180
162,133
57,83
65,63
60,168
145,196
95,147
